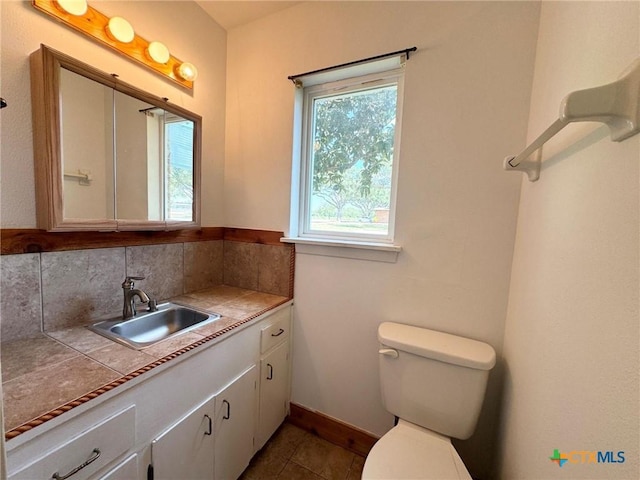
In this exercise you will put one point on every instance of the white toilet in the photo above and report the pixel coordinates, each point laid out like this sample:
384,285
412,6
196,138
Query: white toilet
434,383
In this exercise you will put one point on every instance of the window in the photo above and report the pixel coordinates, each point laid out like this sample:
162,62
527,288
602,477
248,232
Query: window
348,158
170,163
178,153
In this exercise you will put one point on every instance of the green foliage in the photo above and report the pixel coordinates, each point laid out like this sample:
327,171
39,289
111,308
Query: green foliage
354,129
180,184
350,195
377,197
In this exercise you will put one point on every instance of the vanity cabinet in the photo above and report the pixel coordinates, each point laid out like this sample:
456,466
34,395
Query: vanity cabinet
185,449
214,440
274,391
201,415
275,375
126,470
85,452
235,415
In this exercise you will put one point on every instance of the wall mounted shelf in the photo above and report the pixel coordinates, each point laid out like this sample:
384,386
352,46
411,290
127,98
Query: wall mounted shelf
616,104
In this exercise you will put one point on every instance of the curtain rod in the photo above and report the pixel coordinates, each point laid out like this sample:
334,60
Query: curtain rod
406,51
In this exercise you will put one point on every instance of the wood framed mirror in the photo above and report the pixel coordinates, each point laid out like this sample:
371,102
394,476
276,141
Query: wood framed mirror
109,156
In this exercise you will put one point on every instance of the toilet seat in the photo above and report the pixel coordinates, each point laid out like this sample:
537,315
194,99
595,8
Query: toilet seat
408,451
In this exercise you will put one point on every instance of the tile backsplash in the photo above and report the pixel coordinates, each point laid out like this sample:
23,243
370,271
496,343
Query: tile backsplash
80,284
202,261
161,265
20,294
55,290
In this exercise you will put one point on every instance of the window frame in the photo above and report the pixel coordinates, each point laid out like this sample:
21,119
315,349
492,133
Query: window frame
301,200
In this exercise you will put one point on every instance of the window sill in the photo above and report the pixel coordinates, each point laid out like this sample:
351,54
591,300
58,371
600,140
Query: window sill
378,252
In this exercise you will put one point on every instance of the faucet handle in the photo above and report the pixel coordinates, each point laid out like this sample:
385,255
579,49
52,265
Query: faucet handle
153,305
128,281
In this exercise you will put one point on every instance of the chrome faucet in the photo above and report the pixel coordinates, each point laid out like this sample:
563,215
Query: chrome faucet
130,293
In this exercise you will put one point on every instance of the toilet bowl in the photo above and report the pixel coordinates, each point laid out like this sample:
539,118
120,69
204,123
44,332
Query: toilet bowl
434,383
408,451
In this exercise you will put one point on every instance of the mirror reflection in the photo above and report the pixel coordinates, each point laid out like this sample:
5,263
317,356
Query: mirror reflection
86,137
123,158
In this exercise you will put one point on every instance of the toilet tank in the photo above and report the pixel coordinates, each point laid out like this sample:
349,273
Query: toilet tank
433,379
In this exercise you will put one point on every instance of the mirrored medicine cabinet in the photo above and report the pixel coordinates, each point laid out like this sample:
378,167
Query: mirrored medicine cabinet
109,156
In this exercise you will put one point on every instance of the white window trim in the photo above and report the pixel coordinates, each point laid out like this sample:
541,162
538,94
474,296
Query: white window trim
381,248
379,252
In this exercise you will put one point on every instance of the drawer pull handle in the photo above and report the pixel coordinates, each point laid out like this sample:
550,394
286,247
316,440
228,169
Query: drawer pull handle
280,332
270,374
227,416
94,456
210,426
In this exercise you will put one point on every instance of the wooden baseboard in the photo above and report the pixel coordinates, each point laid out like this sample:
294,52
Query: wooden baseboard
334,431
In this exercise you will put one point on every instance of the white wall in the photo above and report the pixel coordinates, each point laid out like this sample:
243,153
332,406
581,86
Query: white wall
183,26
572,336
466,105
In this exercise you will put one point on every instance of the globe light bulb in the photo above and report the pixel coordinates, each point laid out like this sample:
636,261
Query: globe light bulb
73,7
188,71
158,52
120,30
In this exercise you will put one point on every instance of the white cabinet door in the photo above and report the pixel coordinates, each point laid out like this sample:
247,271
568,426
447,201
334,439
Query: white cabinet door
274,391
235,413
185,450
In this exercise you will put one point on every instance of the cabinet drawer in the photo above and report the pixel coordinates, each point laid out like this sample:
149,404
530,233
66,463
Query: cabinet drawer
94,448
126,470
276,331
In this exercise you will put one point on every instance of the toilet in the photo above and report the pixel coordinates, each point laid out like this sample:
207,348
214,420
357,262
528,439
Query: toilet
434,383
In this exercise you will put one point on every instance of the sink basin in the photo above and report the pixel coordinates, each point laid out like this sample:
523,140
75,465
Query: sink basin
147,328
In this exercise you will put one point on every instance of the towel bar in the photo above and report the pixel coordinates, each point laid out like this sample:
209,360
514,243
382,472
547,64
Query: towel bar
616,104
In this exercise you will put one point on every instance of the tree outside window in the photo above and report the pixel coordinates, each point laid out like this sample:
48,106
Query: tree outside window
351,160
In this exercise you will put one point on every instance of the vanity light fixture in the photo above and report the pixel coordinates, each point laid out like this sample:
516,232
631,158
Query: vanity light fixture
117,33
158,52
120,30
73,7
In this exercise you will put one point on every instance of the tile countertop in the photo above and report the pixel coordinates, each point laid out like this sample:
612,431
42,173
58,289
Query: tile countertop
43,373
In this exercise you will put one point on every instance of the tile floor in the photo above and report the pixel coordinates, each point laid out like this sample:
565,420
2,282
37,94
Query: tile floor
294,454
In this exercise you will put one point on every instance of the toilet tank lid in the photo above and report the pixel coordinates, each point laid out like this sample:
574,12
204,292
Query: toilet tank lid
437,345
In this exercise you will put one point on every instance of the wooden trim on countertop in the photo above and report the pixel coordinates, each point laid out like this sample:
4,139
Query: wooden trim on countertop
334,431
32,240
